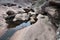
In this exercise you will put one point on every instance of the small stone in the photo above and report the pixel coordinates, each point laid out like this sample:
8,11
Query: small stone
19,6
26,10
10,12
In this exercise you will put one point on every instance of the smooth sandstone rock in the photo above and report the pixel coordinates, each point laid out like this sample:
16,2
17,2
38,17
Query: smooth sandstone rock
41,30
3,26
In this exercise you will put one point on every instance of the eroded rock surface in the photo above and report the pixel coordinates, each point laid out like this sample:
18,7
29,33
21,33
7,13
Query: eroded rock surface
38,31
42,29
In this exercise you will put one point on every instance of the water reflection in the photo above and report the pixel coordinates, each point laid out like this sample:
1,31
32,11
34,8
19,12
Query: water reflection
25,24
11,31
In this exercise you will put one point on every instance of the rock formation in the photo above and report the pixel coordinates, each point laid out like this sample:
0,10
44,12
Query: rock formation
42,23
38,31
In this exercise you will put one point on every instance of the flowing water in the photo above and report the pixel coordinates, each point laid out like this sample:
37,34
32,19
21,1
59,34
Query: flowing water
11,31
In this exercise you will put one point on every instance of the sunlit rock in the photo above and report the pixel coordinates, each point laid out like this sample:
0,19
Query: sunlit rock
22,16
32,12
39,31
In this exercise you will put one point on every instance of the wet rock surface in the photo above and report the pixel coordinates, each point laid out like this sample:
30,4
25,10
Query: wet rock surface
27,23
9,16
18,24
37,31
